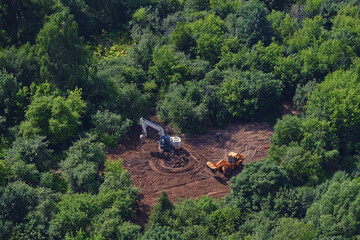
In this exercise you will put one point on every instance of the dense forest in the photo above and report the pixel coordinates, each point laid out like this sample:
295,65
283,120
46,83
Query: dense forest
76,75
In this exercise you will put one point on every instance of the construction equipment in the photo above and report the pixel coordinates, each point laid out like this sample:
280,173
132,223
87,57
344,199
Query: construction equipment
234,161
166,143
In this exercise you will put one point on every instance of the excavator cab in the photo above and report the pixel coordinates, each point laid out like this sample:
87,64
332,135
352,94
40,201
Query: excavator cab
165,144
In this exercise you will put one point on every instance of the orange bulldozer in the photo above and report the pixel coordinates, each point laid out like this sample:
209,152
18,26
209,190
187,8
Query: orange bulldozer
233,162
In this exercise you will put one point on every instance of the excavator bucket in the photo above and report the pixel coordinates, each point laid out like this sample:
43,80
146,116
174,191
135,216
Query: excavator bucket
211,166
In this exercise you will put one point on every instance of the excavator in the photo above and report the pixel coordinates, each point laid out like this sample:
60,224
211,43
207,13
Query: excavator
234,161
166,143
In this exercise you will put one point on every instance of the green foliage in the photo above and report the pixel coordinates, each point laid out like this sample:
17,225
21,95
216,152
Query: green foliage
83,161
5,172
337,212
255,183
336,100
22,20
110,128
302,93
53,181
209,35
33,151
225,221
291,228
157,231
346,26
27,173
311,33
55,117
185,107
122,99
20,207
224,7
287,130
251,24
305,149
162,211
8,89
251,95
167,67
62,55
74,212
20,62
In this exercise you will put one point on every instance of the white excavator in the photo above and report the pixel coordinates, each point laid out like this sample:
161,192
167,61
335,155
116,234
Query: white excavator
166,143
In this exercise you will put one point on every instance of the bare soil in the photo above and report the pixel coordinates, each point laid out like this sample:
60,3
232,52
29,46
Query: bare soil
184,173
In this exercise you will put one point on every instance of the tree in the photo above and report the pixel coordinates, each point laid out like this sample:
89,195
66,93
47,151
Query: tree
74,212
162,211
250,95
252,25
209,36
185,107
292,228
8,89
287,130
21,63
83,161
157,231
22,20
336,214
62,55
255,183
302,93
311,33
110,128
31,151
340,93
55,117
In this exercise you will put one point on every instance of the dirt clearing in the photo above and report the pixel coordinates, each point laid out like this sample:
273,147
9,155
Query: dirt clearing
184,174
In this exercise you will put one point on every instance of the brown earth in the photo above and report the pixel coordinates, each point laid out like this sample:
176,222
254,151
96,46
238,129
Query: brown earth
184,174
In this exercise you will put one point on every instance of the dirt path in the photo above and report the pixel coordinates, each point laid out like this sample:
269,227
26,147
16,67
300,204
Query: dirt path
185,175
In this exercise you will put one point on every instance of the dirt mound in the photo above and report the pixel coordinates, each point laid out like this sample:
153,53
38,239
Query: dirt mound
177,159
184,173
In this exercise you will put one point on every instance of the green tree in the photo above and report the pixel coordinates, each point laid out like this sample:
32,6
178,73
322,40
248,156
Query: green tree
62,55
251,24
251,95
302,93
22,20
185,107
8,89
75,212
336,214
31,151
110,128
22,63
336,100
162,211
83,161
55,117
287,130
255,183
209,36
157,231
292,228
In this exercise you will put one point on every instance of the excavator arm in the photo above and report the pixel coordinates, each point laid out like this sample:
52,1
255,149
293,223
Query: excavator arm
147,123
